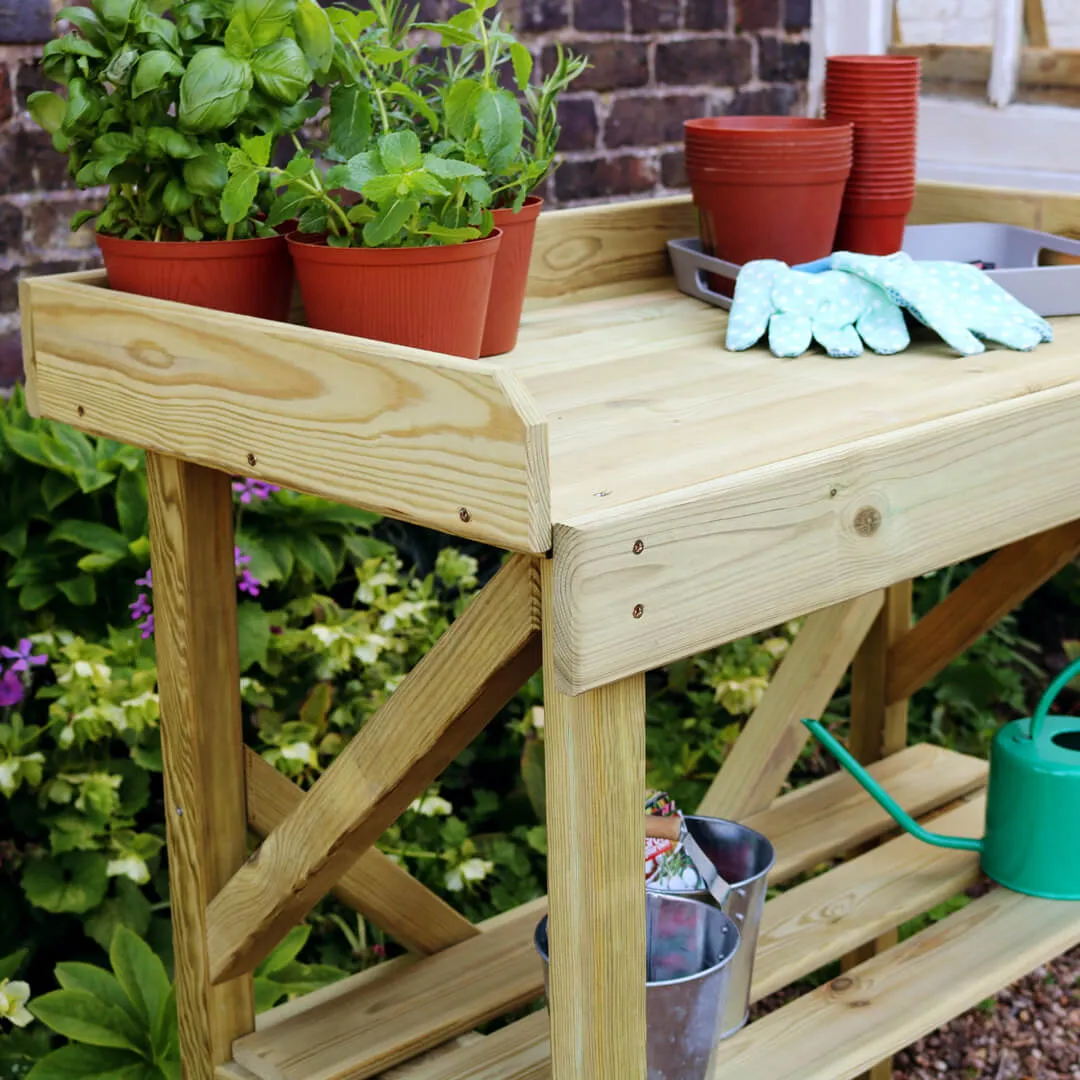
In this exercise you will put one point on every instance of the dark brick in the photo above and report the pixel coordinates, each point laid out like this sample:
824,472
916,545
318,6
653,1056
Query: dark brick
7,103
49,223
615,65
797,14
28,162
757,14
536,16
11,364
637,121
600,14
11,228
766,101
599,177
783,61
25,22
28,79
707,14
649,15
580,127
431,10
698,61
673,170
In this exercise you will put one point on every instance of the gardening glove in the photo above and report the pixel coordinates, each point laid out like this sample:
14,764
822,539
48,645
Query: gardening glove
837,310
957,301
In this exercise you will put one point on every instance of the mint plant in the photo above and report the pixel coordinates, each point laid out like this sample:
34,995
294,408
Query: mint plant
154,88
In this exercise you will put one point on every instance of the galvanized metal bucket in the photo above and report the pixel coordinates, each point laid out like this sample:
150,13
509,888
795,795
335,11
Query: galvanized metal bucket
689,949
744,858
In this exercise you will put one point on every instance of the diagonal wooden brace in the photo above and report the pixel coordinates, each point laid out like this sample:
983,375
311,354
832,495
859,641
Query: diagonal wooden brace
439,708
374,885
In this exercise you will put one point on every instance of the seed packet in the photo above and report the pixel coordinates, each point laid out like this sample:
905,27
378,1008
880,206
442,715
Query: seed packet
667,866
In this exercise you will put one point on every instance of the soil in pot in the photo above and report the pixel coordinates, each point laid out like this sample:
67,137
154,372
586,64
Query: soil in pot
511,276
244,277
432,298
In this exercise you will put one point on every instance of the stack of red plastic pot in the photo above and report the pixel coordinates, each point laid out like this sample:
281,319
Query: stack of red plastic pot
767,186
880,96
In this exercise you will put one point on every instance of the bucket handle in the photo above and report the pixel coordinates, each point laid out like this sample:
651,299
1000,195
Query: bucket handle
1038,720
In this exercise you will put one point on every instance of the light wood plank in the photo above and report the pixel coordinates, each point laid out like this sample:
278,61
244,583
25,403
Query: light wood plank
834,1032
415,1069
438,709
26,326
1040,66
1035,24
802,686
745,553
375,885
191,540
365,1028
975,606
415,435
594,749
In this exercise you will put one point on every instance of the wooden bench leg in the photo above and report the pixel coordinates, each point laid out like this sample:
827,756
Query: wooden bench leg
595,761
878,729
191,536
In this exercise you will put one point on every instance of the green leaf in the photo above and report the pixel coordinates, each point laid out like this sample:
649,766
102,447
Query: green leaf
214,90
93,479
154,68
120,66
170,142
97,562
451,236
176,198
28,445
13,541
161,32
74,883
400,151
254,632
75,1062
71,45
238,196
389,222
359,170
47,109
131,504
267,993
97,981
499,118
238,39
450,169
10,964
417,102
315,34
82,217
91,535
478,189
81,590
522,60
314,557
350,120
258,148
116,14
461,108
287,951
141,974
86,22
268,19
129,907
206,175
80,1016
35,596
282,71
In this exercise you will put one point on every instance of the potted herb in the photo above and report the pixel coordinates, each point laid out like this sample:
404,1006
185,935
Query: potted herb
395,240
479,54
157,94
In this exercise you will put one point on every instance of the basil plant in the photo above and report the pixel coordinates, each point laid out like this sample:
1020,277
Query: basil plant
157,92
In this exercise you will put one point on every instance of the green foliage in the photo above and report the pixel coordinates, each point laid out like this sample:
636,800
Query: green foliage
154,88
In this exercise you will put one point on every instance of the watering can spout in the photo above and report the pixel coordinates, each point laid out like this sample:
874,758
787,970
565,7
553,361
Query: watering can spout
882,797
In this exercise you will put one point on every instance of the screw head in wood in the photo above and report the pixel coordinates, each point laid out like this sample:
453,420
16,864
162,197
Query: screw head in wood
80,411
464,514
251,459
179,811
639,546
639,610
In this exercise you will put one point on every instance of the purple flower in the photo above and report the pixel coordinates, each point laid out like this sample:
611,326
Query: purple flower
254,489
23,655
147,626
11,689
147,581
248,583
141,607
239,558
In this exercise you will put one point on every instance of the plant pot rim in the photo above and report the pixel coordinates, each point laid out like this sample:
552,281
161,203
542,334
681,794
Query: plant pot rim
747,178
315,249
528,212
762,127
188,249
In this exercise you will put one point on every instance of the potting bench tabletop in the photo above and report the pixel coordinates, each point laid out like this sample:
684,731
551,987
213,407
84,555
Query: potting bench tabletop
662,496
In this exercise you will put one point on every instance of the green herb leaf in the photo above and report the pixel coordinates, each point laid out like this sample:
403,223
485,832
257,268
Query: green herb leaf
47,109
131,505
499,118
34,597
74,883
281,71
79,1062
92,535
81,590
258,148
451,236
162,33
81,1017
350,120
83,108
449,168
478,189
206,175
214,90
170,142
522,60
254,633
268,19
417,102
238,38
128,907
71,45
238,196
287,951
389,221
97,981
10,964
141,974
86,22
154,68
400,151
116,14
315,34
461,108
120,66
176,198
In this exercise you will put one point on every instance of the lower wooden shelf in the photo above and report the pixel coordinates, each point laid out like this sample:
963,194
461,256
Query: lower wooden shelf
374,1023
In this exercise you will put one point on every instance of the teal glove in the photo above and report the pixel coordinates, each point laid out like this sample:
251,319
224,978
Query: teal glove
837,310
957,301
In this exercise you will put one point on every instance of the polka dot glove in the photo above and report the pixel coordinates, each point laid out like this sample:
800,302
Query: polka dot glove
955,300
839,311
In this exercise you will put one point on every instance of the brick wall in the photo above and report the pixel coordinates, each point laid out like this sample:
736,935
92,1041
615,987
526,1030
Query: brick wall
654,64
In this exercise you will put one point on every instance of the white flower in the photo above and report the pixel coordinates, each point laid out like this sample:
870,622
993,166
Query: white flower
432,806
149,698
299,751
130,866
476,869
9,775
368,650
328,634
83,669
454,881
66,737
13,999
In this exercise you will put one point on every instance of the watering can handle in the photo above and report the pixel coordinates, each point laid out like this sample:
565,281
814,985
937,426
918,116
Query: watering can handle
667,827
1052,691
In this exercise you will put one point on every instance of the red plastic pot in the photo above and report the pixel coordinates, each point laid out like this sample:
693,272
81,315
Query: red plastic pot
757,127
870,234
244,277
870,205
426,297
510,277
859,63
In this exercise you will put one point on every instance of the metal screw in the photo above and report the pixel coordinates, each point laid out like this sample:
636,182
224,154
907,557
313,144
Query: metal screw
179,811
80,411
832,493
639,610
251,459
464,514
639,546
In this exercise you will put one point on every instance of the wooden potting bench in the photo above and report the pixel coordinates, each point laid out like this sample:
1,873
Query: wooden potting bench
660,496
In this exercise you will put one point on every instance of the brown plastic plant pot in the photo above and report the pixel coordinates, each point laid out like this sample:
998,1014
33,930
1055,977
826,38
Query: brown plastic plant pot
510,277
432,298
870,234
243,277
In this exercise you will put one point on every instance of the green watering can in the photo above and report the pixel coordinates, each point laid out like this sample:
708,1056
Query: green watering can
1032,841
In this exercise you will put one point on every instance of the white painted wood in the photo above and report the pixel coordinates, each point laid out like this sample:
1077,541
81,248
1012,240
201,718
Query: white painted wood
1008,41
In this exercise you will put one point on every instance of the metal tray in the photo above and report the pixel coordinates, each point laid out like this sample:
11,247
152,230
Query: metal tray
1011,254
